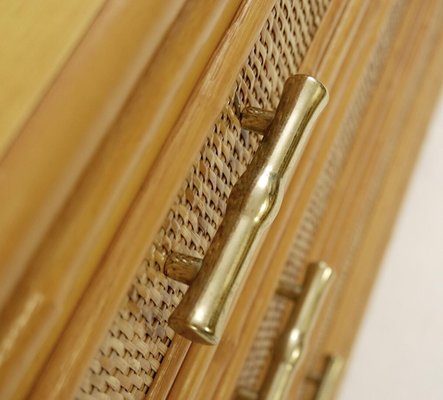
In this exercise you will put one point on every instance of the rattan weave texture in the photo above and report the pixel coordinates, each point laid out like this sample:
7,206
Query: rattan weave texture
131,353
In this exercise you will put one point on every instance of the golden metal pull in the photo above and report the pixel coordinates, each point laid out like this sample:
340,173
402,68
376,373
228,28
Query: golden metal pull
290,347
331,378
253,204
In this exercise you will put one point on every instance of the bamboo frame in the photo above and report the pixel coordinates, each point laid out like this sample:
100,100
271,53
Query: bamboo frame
338,28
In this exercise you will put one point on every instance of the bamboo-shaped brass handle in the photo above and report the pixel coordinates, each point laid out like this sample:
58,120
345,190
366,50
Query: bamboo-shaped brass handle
331,378
290,348
253,204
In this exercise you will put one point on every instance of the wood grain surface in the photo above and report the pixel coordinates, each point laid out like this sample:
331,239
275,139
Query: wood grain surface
56,143
37,40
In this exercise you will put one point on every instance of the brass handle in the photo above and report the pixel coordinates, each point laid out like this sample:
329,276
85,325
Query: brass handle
331,378
290,347
253,204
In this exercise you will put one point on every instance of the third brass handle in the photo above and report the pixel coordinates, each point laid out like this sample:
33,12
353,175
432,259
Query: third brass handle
253,204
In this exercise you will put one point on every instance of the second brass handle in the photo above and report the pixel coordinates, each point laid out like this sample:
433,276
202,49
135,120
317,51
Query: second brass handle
253,204
291,346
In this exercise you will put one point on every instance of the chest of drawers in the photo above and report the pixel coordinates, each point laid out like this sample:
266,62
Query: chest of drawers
191,141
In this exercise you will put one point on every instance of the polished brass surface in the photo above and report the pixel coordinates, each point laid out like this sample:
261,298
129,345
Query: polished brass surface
181,267
256,119
253,204
184,268
331,378
291,346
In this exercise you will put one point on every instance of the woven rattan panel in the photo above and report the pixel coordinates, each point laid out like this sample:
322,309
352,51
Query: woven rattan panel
131,353
256,363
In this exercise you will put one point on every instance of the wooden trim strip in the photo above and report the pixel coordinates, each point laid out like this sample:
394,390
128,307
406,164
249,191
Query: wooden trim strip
169,367
85,227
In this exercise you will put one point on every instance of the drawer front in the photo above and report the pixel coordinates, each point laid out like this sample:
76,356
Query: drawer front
136,343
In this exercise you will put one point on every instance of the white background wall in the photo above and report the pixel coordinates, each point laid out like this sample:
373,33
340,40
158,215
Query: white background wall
398,354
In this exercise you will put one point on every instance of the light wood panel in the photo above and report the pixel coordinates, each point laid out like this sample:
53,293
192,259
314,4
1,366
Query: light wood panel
86,225
40,170
37,39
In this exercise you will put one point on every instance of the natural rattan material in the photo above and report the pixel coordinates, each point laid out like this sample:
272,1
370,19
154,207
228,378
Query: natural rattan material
257,362
139,337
